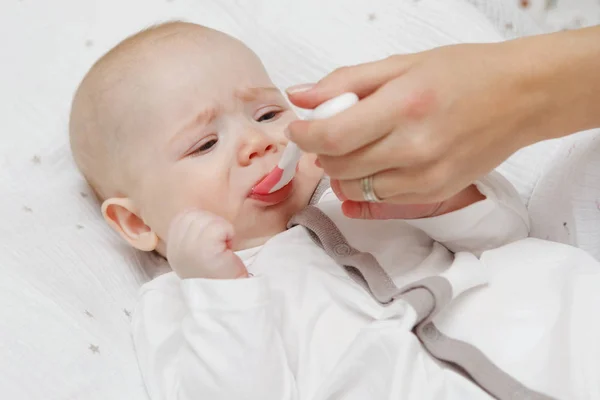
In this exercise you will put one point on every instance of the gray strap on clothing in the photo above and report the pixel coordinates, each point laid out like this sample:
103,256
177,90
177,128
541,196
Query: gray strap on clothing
427,296
326,235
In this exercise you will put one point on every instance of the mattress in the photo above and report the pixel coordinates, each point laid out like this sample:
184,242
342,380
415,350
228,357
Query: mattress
68,284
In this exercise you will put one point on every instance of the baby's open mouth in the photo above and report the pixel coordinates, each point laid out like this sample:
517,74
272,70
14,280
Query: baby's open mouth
274,198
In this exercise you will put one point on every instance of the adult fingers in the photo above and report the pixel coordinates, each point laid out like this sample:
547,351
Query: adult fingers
421,185
367,121
362,79
364,210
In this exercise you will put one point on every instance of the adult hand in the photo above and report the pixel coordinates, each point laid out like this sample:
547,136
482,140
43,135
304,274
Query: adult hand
364,210
431,123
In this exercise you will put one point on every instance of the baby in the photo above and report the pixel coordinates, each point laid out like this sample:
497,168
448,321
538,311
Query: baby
172,129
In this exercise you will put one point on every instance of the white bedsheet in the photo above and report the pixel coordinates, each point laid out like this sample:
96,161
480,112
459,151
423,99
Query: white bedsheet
67,283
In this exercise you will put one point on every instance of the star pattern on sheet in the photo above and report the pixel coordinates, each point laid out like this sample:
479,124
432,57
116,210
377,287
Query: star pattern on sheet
36,159
27,209
94,349
127,313
562,15
89,314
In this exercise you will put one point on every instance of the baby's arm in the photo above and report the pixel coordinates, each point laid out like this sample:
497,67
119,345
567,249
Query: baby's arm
476,224
209,338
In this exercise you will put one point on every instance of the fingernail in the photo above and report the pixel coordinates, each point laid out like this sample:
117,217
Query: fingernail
351,209
287,133
318,163
305,87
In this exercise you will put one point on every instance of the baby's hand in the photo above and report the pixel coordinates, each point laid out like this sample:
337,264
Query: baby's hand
198,246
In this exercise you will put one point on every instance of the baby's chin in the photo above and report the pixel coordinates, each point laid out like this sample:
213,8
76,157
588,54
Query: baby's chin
305,183
308,176
252,242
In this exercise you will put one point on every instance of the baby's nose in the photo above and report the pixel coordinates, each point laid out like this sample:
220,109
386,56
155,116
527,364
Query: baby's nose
256,146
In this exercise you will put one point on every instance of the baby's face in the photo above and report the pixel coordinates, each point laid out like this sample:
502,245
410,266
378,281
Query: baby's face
210,125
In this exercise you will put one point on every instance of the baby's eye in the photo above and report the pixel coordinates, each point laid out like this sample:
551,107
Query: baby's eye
206,146
268,116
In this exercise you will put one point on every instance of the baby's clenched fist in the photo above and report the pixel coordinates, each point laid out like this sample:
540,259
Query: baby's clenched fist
198,246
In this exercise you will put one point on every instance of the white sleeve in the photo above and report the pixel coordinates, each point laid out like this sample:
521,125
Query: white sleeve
210,339
499,219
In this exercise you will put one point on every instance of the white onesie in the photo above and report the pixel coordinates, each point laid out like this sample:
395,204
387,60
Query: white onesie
302,329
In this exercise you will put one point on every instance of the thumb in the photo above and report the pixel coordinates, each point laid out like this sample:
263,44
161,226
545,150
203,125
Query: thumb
362,79
228,265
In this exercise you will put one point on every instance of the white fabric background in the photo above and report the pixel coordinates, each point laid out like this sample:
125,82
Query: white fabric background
67,284
556,15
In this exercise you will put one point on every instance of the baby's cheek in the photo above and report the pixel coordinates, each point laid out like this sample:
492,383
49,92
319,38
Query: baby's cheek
159,212
225,206
184,189
160,223
207,198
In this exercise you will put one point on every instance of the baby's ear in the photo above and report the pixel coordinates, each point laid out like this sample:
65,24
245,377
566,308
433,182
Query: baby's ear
121,215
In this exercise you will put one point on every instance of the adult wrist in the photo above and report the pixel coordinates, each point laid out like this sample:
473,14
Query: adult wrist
560,76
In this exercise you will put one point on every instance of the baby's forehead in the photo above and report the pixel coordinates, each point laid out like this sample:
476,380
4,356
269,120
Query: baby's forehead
169,75
170,63
180,48
192,60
